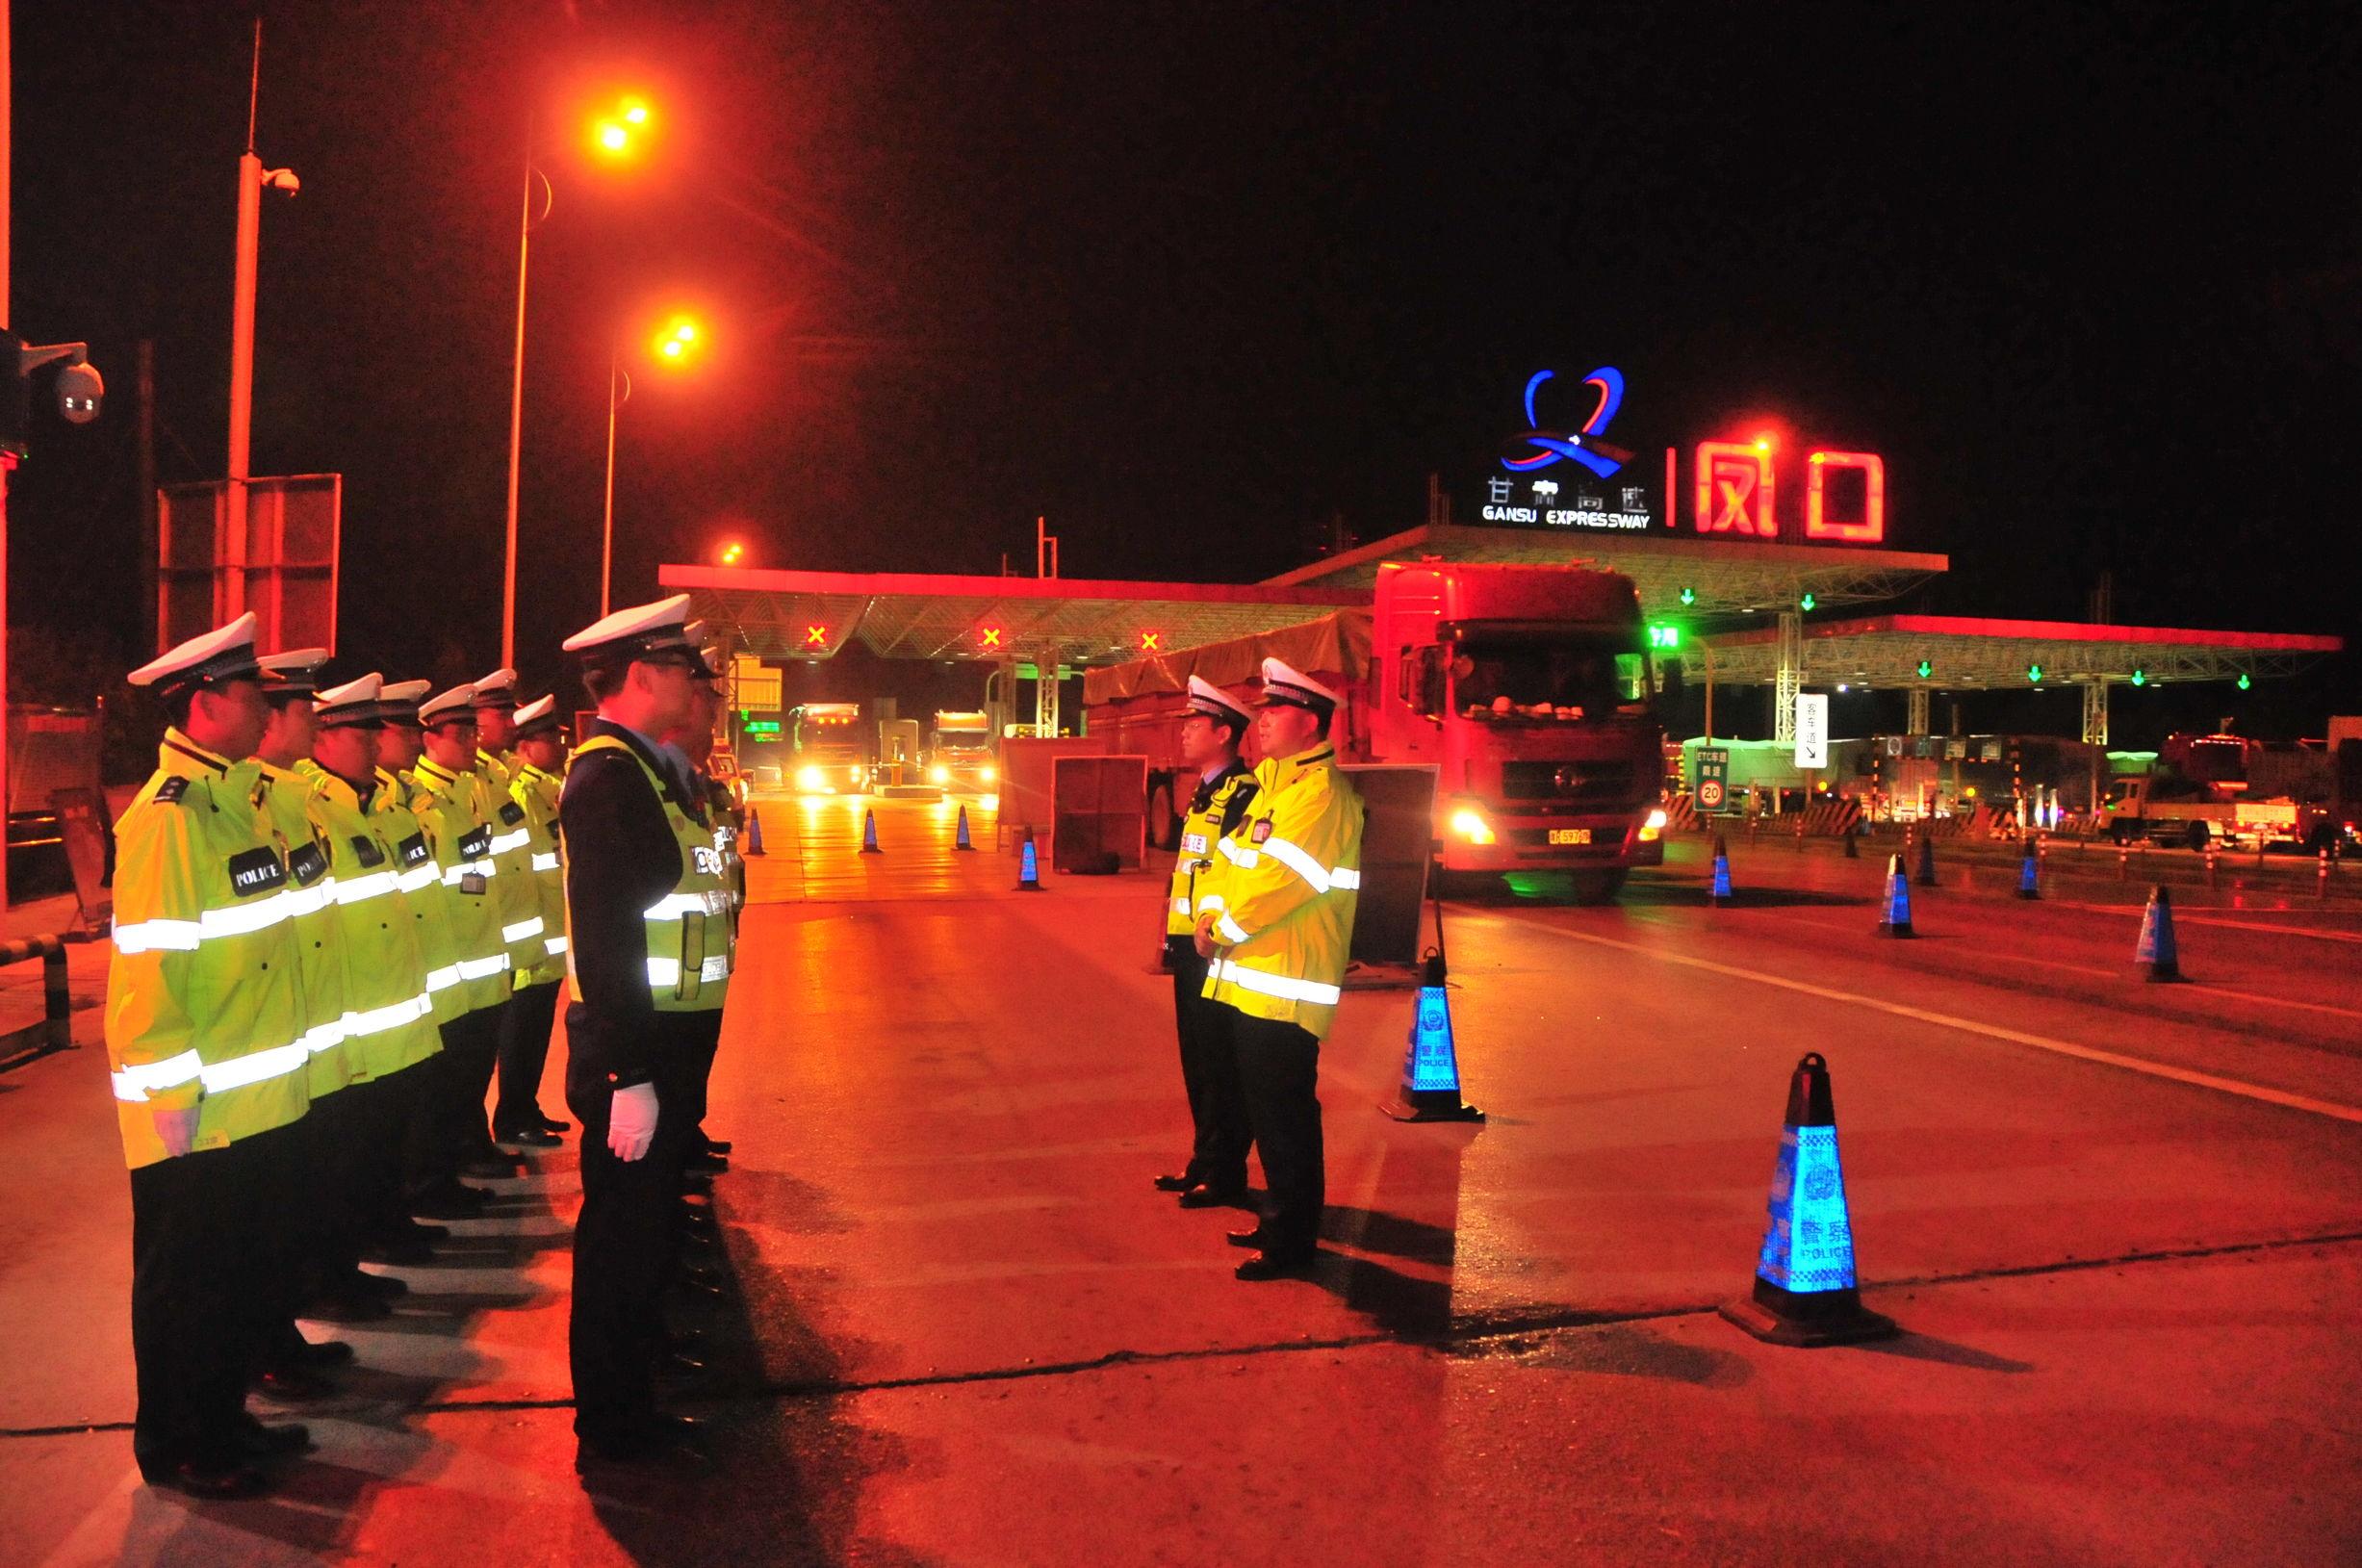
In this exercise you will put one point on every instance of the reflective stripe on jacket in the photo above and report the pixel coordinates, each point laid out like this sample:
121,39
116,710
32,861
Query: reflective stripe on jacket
689,944
204,1007
449,804
389,1013
419,878
1290,884
1213,810
537,792
283,797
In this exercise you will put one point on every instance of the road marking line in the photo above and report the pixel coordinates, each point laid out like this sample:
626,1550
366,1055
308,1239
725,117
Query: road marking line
2182,918
1946,1021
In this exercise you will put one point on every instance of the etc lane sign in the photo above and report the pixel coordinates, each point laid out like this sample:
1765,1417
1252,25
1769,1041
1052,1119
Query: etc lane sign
1811,730
1714,777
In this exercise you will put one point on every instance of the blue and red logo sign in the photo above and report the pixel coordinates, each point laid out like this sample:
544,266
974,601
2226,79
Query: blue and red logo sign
1581,445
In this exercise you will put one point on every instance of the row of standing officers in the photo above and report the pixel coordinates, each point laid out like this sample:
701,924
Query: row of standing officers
340,913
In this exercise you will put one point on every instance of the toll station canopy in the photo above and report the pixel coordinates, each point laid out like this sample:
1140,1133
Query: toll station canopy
1051,621
1952,653
1723,577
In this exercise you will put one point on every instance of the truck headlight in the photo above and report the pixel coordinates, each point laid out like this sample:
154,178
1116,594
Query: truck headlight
938,775
1467,822
987,773
811,779
1654,827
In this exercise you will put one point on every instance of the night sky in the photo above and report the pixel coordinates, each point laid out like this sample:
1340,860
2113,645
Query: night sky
1194,279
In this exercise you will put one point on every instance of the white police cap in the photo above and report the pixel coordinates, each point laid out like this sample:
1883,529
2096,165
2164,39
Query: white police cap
498,689
537,717
293,674
444,708
355,702
630,634
224,653
1209,699
398,701
1285,685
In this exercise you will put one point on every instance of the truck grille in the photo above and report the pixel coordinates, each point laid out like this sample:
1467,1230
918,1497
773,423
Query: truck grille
1607,785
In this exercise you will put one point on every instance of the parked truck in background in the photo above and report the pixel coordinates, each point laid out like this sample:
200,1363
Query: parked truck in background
961,755
2233,789
1529,689
831,749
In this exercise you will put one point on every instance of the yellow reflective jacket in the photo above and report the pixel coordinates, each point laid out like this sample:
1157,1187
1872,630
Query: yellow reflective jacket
1213,810
421,881
389,1016
514,895
283,796
1290,884
204,1005
690,946
450,806
535,792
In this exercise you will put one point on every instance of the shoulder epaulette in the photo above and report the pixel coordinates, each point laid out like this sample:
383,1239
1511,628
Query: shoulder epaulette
172,788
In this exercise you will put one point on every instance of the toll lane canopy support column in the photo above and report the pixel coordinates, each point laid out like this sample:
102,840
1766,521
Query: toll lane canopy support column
1791,677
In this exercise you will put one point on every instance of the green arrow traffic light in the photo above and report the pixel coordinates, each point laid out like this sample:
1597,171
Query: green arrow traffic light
2139,678
1805,604
2033,673
1926,669
2243,682
1689,596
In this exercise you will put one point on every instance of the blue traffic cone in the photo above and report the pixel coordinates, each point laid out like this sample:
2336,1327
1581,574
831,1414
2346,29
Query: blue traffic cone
1805,1289
2155,953
753,831
960,840
869,832
1431,1088
2029,873
1896,921
1719,893
1029,868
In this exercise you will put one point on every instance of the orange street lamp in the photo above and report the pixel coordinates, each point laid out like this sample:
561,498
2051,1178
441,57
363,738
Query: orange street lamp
615,135
674,344
732,554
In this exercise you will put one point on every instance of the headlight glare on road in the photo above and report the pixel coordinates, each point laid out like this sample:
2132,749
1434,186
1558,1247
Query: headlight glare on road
811,779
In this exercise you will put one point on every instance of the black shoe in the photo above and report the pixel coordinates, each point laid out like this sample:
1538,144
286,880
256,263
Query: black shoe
675,1364
256,1441
1207,1195
410,1231
1180,1182
345,1302
697,1181
719,1145
1251,1237
707,1161
385,1287
403,1249
552,1125
453,1201
318,1354
1290,1264
666,1440
703,1287
687,1341
290,1386
504,1167
527,1137
216,1480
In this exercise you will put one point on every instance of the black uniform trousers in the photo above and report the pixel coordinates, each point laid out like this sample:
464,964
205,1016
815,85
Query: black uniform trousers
447,1126
703,1032
1209,1072
1279,1065
627,1241
208,1258
526,1023
380,1202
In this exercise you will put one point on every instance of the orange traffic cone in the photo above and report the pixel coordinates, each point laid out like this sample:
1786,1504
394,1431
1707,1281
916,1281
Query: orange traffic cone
1805,1293
1431,1088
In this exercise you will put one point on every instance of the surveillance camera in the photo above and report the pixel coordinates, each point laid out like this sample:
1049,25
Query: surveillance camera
282,179
80,391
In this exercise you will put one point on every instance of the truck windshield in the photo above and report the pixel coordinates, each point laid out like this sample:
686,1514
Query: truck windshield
1516,680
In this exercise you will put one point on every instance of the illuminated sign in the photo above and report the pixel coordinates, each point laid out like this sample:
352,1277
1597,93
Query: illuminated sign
1869,524
1579,445
989,638
1553,478
1736,486
1148,641
1811,730
815,636
1664,636
757,729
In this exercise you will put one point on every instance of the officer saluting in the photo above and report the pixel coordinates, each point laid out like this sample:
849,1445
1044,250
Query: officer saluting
205,1039
648,934
1276,952
1210,734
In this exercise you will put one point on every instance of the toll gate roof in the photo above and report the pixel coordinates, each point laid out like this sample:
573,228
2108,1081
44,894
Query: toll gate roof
1071,621
1972,651
1724,575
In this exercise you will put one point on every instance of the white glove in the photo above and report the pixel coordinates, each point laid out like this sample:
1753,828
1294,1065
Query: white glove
631,1122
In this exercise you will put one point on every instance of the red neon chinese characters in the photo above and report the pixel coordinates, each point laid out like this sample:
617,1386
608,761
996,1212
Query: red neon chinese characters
1870,526
1735,488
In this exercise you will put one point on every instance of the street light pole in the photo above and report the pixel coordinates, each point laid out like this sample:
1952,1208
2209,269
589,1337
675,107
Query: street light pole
606,526
516,410
231,598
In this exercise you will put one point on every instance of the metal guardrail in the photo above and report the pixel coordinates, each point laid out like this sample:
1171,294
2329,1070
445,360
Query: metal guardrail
56,1030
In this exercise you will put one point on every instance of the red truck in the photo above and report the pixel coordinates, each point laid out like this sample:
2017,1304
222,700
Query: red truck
1528,688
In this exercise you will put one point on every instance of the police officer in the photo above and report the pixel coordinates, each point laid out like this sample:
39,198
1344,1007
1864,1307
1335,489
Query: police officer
1210,734
525,923
205,1044
389,1031
535,772
686,749
648,927
1276,952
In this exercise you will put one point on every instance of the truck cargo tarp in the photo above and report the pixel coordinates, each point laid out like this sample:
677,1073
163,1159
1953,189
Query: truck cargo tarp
1339,642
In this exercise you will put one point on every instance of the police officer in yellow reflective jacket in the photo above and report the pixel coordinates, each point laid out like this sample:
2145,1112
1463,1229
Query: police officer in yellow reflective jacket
454,805
685,749
1221,790
389,1013
1276,951
535,772
206,1056
648,933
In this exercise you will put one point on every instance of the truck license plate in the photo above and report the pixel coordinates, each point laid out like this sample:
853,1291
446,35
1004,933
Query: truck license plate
1569,836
